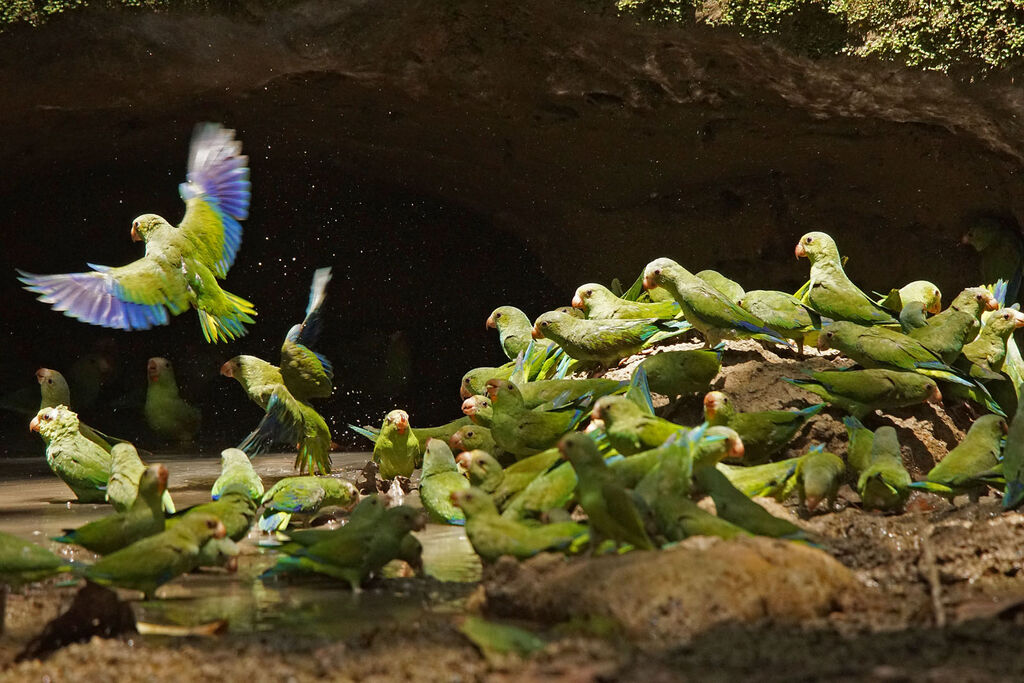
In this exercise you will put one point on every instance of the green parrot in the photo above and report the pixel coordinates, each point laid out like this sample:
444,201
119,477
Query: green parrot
599,303
734,506
919,290
860,392
611,509
236,469
219,552
674,373
569,310
876,347
284,392
665,488
728,287
551,490
472,438
1013,461
24,562
711,312
397,448
484,471
1001,249
235,508
860,440
304,496
499,639
423,434
885,483
167,414
480,411
354,553
80,463
773,479
764,433
603,341
144,517
818,476
493,535
521,431
549,393
54,391
913,316
782,313
126,469
514,331
969,466
473,381
947,332
182,264
502,484
986,354
631,430
830,292
151,562
439,480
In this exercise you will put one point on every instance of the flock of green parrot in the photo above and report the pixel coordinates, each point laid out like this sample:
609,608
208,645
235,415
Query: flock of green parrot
548,456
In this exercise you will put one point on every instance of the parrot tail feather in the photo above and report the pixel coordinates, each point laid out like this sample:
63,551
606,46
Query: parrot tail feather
1013,496
275,521
369,433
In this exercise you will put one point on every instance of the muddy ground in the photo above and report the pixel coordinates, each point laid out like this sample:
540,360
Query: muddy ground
936,595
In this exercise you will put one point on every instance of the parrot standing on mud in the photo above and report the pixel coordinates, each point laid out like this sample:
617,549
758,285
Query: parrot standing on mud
860,392
674,373
885,483
599,303
631,430
80,463
972,463
519,430
284,392
182,264
782,312
439,480
947,332
166,412
397,449
236,470
765,432
303,496
818,477
603,341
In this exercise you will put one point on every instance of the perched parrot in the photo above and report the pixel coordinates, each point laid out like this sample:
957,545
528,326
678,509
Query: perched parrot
397,449
885,483
145,517
922,291
236,470
521,431
772,479
570,310
472,438
830,292
151,562
182,264
439,480
166,412
860,392
284,392
947,332
473,381
674,373
782,313
734,506
711,312
970,466
235,509
913,316
859,439
23,562
1001,249
493,535
80,463
486,473
554,393
819,475
551,490
598,302
611,509
878,347
480,411
764,433
499,639
603,341
514,330
423,434
985,355
630,430
55,392
303,496
126,470
1013,461
733,290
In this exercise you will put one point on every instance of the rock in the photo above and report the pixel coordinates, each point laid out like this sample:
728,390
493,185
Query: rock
661,598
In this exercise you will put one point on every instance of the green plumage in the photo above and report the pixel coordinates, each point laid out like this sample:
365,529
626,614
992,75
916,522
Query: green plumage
966,466
764,433
860,392
304,496
921,291
860,440
946,333
819,475
599,303
602,341
519,430
514,331
23,562
550,490
732,289
773,479
675,373
629,429
126,469
734,506
167,414
830,292
782,313
885,483
1013,461
913,316
986,354
236,470
876,347
472,438
397,447
235,509
79,462
441,478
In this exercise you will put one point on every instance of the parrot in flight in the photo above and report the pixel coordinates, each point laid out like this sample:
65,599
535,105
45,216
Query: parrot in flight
182,264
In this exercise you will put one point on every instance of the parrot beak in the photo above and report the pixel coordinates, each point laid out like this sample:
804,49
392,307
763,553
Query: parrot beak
649,282
966,239
736,449
811,502
536,333
577,301
936,306
41,375
136,237
468,407
402,424
1005,427
800,251
153,371
464,392
33,426
221,531
935,396
991,304
455,443
490,322
227,369
463,461
421,521
1019,319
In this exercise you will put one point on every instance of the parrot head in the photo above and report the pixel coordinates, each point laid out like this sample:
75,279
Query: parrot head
717,405
406,518
231,456
475,406
473,379
982,236
145,225
584,294
579,449
552,321
49,422
734,448
473,501
437,456
815,245
656,271
1006,319
464,439
399,419
610,409
502,390
463,461
481,467
231,367
502,315
49,377
934,395
160,370
153,481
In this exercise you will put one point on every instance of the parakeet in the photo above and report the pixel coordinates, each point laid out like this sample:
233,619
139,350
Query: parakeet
502,484
493,536
711,312
151,562
1001,249
885,483
630,430
551,490
554,393
599,303
674,373
501,639
166,412
182,264
772,479
23,562
1013,461
570,310
479,410
781,312
735,507
610,507
521,431
423,434
236,469
235,508
514,330
859,439
54,391
126,470
472,438
730,288
603,341
913,316
967,467
473,381
819,475
947,332
439,480
860,392
80,463
303,496
919,290
830,292
986,354
397,448
485,472
144,517
765,432
284,392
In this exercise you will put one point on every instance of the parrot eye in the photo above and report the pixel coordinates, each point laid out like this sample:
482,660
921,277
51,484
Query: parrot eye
590,292
808,240
469,434
211,524
657,271
497,315
544,324
49,381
